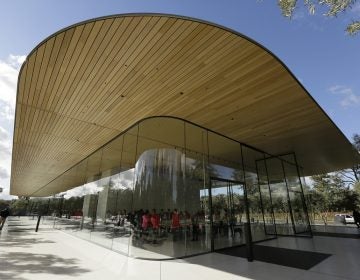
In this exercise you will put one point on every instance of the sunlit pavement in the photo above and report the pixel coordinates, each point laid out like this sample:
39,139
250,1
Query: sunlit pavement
52,254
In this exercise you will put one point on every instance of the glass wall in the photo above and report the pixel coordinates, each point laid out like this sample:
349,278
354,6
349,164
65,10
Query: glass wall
257,196
266,198
285,194
167,188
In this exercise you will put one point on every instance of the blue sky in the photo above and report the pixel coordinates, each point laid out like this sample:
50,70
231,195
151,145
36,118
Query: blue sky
315,48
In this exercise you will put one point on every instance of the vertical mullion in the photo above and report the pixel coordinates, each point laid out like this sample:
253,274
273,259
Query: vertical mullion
288,197
271,202
261,201
248,237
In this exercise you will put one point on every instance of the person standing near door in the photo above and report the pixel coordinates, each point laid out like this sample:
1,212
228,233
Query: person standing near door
356,216
4,213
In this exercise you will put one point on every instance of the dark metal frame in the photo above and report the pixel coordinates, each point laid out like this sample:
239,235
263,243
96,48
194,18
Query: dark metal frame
270,196
296,233
248,237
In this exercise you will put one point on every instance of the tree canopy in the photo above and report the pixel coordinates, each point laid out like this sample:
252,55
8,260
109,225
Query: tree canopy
336,191
333,8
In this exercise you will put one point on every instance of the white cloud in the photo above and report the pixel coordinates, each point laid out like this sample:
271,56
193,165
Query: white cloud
9,71
7,111
3,173
348,97
4,134
16,60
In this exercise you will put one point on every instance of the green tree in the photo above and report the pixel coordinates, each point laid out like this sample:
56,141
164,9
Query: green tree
333,8
329,194
3,203
19,206
351,176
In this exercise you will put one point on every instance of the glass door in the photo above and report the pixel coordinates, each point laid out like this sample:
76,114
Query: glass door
300,219
227,213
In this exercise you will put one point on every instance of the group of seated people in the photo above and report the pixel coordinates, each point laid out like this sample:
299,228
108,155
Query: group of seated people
153,225
145,223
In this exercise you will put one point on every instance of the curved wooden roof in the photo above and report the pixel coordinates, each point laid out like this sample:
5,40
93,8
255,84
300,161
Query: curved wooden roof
84,85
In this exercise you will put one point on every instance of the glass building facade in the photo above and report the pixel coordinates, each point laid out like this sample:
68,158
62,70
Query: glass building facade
167,188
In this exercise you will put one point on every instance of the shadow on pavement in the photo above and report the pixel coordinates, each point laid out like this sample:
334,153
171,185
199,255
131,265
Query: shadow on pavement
24,242
13,263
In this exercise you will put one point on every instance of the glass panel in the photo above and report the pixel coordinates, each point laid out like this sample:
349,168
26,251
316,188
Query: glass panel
120,205
306,189
102,230
197,202
257,224
150,196
93,166
108,217
66,204
297,202
225,158
167,131
265,196
159,204
280,197
88,222
227,200
70,203
120,202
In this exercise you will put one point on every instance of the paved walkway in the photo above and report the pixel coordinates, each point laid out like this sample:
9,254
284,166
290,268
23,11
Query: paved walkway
51,254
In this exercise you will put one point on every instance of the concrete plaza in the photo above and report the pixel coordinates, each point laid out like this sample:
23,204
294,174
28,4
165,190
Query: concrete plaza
53,254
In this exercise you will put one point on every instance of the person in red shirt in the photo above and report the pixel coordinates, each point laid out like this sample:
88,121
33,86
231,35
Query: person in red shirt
175,224
146,223
155,222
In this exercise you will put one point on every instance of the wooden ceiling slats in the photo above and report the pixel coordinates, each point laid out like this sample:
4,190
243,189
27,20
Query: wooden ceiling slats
44,74
96,37
39,54
105,94
111,28
158,86
74,99
21,85
43,97
154,63
132,70
192,83
235,90
90,74
94,101
90,34
29,72
65,43
85,85
24,122
66,68
124,93
80,78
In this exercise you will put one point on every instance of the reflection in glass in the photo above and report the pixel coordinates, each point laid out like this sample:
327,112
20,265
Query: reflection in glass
280,197
166,188
261,228
227,201
266,199
297,199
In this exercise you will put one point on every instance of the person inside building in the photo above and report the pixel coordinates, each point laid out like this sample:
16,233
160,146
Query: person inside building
155,223
195,226
175,224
